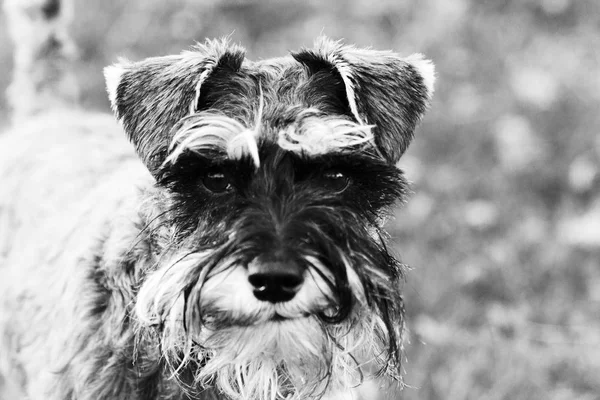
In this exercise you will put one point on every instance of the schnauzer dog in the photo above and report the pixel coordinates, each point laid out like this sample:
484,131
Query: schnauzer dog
242,258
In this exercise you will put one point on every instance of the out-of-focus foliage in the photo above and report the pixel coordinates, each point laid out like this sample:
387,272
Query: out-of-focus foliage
503,231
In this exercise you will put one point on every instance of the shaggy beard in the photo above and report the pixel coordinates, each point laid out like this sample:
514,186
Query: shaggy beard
258,359
292,359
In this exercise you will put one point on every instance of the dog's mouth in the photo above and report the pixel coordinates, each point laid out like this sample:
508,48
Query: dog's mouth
281,312
278,318
221,320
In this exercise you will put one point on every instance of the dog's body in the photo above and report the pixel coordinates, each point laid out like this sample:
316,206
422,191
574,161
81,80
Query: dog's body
242,258
47,292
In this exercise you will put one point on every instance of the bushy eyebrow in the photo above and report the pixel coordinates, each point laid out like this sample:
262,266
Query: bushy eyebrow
209,133
313,134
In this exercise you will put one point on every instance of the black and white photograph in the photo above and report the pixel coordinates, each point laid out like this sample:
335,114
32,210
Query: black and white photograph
300,200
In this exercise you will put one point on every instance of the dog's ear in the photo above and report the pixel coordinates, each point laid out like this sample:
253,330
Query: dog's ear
151,96
381,88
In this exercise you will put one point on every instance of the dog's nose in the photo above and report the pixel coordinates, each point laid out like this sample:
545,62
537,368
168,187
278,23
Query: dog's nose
275,281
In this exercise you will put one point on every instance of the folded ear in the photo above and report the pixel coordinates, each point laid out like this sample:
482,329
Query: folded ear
151,96
381,89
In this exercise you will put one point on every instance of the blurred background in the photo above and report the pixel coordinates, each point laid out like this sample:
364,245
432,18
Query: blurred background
502,232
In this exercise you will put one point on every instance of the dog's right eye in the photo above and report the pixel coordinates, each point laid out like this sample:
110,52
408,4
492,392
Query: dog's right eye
334,181
217,182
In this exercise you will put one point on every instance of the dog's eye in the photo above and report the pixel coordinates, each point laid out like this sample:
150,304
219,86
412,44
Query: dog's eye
217,181
335,181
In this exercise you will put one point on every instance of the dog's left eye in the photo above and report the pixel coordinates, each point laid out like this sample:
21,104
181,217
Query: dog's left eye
217,182
335,181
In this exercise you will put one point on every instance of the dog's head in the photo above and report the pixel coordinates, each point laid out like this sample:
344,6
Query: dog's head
269,277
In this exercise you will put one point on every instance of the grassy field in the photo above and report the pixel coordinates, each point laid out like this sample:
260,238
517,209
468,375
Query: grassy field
503,229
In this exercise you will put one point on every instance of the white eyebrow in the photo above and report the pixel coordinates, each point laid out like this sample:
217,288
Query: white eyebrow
311,134
206,131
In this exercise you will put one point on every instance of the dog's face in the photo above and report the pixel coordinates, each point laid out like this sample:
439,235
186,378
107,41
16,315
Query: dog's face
269,277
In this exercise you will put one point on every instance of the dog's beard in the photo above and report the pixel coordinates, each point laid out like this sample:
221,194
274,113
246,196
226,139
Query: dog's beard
211,324
291,359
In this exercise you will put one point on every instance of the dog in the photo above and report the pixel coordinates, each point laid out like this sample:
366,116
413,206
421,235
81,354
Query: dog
221,238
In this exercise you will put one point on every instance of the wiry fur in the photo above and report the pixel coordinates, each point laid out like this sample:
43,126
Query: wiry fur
310,134
123,279
206,132
388,91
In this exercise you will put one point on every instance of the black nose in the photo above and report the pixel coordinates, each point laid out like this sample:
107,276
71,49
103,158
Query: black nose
275,281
